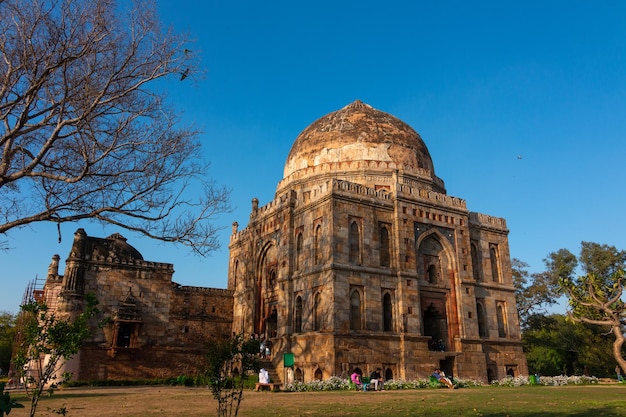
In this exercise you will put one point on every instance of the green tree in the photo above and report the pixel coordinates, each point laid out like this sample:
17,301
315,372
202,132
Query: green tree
533,292
6,402
7,337
229,362
595,297
48,342
87,132
555,345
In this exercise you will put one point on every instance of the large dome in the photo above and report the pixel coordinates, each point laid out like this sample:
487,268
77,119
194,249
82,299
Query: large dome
358,132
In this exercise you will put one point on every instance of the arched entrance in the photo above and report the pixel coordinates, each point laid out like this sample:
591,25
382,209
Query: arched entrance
435,323
265,313
436,270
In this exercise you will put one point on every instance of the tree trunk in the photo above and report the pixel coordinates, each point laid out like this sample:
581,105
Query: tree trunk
617,348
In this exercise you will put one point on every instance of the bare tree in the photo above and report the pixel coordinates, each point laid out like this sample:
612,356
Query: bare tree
86,134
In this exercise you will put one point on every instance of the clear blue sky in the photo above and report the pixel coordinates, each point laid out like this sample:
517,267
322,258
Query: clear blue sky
482,82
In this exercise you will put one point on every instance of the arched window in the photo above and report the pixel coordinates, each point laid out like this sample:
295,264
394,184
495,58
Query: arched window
432,260
355,310
493,257
388,374
125,334
476,264
432,274
318,374
271,278
298,315
235,273
387,313
317,311
482,325
355,244
385,258
318,244
299,375
298,251
501,320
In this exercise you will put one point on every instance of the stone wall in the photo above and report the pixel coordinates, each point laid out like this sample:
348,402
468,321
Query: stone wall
327,344
148,326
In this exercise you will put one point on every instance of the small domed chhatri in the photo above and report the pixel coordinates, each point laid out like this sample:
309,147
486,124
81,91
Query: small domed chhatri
359,136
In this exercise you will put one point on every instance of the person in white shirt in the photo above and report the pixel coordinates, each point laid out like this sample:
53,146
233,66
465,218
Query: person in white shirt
264,376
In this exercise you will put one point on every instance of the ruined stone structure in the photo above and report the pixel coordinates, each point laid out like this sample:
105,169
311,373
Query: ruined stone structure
362,261
154,327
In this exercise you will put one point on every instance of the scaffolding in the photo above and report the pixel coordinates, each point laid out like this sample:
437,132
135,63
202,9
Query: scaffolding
34,292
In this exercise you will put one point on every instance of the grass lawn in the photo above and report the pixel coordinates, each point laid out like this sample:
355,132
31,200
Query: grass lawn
589,400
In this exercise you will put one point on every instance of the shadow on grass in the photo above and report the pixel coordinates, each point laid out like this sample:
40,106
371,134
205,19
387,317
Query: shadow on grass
594,412
21,396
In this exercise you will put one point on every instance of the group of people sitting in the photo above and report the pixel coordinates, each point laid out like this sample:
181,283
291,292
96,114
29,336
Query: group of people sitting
441,377
375,380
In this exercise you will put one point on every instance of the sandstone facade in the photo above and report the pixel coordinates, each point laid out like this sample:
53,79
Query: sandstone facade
154,328
363,261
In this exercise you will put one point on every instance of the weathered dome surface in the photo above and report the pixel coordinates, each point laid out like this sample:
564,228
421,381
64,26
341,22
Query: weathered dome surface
113,247
358,132
117,244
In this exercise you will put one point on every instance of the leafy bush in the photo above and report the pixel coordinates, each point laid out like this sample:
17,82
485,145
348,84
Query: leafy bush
333,384
400,384
338,384
185,380
546,380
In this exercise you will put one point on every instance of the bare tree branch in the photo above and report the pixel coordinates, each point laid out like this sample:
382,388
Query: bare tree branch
87,134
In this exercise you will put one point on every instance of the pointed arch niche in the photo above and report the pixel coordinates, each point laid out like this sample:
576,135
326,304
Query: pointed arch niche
299,249
354,243
435,263
298,315
317,311
435,320
356,308
436,268
384,245
265,315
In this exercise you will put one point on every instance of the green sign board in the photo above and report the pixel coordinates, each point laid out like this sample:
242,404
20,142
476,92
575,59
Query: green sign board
288,359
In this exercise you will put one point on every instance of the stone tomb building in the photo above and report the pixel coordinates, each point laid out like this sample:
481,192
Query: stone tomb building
153,327
361,261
